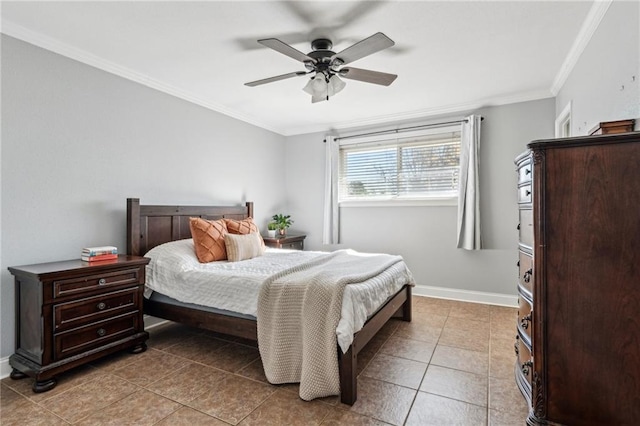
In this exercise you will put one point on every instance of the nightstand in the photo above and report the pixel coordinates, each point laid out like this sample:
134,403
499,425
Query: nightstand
290,241
73,312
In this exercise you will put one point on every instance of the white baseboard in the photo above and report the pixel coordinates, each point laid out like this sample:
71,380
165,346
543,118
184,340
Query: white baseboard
5,368
499,299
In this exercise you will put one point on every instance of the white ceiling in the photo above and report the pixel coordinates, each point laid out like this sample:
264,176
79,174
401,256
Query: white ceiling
449,56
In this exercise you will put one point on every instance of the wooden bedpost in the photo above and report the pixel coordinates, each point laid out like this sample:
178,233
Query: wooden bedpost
249,205
348,363
133,226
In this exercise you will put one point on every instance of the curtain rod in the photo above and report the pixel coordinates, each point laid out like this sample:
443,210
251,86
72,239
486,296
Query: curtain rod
405,129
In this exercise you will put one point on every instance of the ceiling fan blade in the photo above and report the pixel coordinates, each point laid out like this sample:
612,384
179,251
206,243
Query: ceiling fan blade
363,48
368,76
276,78
285,49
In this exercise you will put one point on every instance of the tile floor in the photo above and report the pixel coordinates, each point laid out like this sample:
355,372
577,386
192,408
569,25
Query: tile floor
452,365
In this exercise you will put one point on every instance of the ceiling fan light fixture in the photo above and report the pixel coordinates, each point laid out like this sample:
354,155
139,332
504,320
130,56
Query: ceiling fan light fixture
317,87
335,85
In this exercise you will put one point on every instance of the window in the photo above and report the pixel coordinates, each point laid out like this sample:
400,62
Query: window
420,167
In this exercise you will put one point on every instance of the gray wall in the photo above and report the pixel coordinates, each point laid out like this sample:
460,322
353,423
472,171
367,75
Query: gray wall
426,236
77,141
610,61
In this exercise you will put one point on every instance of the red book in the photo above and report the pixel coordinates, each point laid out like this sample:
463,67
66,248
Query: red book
100,257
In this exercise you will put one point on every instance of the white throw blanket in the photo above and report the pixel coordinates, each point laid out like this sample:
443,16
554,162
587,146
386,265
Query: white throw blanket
298,312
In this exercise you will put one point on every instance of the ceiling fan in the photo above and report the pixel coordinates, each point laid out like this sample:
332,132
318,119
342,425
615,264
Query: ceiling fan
327,66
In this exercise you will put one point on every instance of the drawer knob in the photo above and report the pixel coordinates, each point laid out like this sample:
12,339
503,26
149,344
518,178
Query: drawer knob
102,305
524,322
102,332
525,367
527,192
518,228
102,281
527,275
527,171
516,345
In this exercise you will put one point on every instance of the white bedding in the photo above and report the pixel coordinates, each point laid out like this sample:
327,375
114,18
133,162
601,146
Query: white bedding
174,271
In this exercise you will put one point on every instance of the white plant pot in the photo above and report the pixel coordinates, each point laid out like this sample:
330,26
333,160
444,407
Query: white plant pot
271,233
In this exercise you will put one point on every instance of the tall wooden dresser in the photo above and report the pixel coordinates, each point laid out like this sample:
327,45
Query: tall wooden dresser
578,340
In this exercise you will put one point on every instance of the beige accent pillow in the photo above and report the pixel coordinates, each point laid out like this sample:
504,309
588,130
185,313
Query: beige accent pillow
208,239
243,247
242,227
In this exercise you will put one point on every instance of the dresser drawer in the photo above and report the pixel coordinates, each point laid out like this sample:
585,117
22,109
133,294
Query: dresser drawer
85,311
524,194
524,172
98,334
525,274
91,283
525,318
524,360
525,227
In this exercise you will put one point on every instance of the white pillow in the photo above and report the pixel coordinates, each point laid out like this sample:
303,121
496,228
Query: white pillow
243,247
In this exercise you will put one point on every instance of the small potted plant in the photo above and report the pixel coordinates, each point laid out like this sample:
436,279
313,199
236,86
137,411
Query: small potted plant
282,222
272,227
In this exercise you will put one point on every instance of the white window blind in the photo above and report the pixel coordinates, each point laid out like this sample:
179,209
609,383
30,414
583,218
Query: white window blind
418,167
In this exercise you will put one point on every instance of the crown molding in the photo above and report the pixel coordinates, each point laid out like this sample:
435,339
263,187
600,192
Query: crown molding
589,27
37,39
422,113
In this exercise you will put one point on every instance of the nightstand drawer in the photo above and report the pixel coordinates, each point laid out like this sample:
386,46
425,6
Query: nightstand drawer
296,245
95,335
91,283
85,311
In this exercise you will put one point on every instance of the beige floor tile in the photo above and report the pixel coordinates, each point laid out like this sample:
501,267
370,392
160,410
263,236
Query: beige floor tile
140,408
502,365
169,334
508,418
429,409
417,330
197,348
471,311
87,398
343,417
254,371
16,410
462,323
383,401
409,349
120,359
232,357
232,399
188,382
66,381
151,368
456,384
186,416
399,371
475,340
502,314
286,408
461,359
505,396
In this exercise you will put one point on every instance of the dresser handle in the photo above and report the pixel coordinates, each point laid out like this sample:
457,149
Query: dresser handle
102,305
102,332
527,192
516,345
518,227
527,171
527,276
524,322
102,281
525,367
518,264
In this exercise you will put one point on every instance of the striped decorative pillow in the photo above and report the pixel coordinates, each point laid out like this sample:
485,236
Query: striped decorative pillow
208,239
243,247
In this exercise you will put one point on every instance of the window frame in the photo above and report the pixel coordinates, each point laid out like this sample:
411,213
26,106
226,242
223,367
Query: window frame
406,201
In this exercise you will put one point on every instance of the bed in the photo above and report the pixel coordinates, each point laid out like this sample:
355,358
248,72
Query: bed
149,226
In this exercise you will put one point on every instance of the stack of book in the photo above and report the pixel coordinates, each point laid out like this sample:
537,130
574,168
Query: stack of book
97,254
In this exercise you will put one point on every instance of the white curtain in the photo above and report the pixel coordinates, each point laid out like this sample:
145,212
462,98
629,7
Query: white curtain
469,188
331,226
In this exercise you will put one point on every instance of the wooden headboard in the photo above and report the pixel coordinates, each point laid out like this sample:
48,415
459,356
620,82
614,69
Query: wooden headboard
149,226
